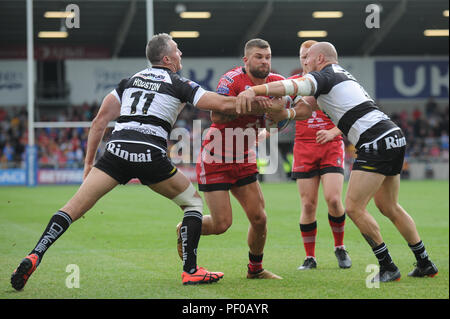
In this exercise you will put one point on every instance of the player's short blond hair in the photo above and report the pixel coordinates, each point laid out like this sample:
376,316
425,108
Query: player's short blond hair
307,44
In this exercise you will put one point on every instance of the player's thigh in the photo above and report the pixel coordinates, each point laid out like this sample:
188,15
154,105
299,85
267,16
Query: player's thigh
387,195
219,206
251,198
362,186
172,186
332,184
308,189
96,184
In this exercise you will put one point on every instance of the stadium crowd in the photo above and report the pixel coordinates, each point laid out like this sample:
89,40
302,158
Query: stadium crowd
426,131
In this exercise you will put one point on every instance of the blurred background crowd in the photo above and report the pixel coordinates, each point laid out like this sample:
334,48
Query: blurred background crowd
426,129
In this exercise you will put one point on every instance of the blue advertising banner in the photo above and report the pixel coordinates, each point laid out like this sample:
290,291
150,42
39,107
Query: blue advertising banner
13,176
411,79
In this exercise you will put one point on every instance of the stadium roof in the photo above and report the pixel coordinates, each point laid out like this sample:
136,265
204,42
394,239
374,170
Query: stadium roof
120,26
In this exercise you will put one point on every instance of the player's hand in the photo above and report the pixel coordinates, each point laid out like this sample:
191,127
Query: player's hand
277,116
244,101
87,169
264,102
278,104
324,136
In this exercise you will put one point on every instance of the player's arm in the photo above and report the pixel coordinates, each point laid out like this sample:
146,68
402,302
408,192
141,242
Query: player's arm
227,104
302,86
109,111
265,105
325,136
219,118
302,110
304,105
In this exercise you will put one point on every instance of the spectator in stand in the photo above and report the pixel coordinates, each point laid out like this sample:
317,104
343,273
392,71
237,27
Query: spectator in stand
431,107
423,131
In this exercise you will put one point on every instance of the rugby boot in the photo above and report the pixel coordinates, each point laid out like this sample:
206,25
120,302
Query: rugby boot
21,274
343,258
201,276
309,263
386,274
429,269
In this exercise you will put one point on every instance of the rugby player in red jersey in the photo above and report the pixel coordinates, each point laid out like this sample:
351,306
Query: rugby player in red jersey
319,157
380,144
225,170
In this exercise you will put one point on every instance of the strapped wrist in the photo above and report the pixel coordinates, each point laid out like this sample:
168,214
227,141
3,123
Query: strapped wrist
288,114
294,114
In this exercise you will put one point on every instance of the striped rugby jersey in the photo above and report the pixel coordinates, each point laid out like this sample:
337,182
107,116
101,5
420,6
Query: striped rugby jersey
348,105
151,101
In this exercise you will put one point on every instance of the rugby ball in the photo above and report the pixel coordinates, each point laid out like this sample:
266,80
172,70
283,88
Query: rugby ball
281,125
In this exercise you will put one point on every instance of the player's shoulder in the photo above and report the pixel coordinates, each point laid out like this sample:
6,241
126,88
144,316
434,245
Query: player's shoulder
233,73
330,70
231,80
274,77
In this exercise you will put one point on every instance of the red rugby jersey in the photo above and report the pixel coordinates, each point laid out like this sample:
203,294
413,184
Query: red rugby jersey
232,83
305,131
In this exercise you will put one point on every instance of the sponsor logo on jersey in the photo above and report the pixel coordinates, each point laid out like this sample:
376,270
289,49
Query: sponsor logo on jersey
223,90
193,84
154,77
228,79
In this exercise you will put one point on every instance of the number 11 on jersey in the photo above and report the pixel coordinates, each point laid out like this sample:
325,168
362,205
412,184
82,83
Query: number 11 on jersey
136,99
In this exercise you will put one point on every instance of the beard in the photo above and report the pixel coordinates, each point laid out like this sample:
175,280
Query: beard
260,73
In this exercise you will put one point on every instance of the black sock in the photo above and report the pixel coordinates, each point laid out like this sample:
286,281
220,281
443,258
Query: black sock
190,231
56,227
255,263
336,220
382,253
420,253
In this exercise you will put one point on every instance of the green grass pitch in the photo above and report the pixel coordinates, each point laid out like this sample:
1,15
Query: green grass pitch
125,247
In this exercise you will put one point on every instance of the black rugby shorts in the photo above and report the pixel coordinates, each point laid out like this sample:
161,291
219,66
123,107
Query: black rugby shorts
125,161
385,155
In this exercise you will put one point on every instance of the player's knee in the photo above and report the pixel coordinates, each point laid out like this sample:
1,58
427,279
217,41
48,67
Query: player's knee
309,207
390,210
382,207
259,220
352,210
221,227
334,203
189,200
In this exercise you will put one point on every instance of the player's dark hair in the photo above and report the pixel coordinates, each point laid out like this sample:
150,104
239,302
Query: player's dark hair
256,43
157,47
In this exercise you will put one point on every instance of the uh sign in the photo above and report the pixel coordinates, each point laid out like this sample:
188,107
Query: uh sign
418,79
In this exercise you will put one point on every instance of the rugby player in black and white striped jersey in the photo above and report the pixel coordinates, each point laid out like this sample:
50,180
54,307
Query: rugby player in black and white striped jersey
380,148
145,108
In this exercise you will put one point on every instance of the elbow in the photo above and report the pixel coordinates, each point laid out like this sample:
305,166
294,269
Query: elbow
99,124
